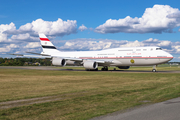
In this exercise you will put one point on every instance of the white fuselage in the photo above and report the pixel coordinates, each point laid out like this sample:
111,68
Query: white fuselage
132,56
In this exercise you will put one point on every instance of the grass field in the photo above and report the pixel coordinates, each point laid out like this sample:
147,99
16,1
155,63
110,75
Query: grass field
161,67
80,95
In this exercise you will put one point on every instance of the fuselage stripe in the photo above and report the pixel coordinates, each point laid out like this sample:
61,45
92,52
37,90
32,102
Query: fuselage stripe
125,57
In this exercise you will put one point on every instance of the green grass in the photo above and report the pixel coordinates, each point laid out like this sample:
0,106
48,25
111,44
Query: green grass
88,93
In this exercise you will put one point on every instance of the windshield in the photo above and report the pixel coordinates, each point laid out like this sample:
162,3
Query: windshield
158,48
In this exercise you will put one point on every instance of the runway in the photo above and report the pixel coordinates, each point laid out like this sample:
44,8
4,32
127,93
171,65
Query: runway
168,110
70,69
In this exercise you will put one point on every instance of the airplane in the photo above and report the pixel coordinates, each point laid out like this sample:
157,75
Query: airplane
122,58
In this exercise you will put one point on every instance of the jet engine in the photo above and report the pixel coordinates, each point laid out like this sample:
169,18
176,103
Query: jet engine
123,67
58,61
92,65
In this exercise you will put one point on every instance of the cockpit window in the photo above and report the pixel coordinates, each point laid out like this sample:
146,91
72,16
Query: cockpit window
158,48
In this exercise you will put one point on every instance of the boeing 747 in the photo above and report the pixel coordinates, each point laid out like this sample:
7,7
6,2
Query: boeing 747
122,58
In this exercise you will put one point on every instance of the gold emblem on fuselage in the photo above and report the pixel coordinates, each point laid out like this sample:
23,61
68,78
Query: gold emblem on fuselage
132,61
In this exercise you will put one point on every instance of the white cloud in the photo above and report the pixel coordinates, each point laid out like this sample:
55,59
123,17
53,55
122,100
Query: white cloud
29,32
3,37
177,43
12,46
4,50
3,29
91,44
8,48
82,28
177,48
21,36
26,28
6,27
160,18
24,37
164,43
55,28
52,28
174,15
151,40
32,45
136,43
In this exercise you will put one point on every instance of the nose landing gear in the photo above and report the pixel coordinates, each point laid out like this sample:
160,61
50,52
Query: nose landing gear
154,68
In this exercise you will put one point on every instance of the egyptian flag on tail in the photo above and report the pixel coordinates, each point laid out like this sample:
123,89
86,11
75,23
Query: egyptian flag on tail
46,44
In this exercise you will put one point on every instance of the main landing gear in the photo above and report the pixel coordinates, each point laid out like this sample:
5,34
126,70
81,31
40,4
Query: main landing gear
154,68
105,68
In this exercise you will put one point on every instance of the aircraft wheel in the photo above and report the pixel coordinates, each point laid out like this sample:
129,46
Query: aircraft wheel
153,70
104,69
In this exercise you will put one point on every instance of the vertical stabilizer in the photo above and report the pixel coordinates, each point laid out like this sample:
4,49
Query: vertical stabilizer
46,44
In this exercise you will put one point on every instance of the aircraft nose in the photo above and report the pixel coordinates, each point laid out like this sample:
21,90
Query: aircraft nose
170,56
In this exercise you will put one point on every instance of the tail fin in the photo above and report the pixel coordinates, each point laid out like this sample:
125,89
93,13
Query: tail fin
47,46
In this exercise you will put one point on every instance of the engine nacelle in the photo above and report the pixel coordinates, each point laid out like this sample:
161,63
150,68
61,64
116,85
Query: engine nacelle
58,61
123,67
90,65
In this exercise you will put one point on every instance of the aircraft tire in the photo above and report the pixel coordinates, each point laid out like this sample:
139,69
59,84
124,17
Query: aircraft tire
153,70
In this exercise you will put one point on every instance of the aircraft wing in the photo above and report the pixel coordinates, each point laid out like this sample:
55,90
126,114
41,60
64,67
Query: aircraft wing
83,60
38,55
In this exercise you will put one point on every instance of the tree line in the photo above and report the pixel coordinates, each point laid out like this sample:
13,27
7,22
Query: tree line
24,62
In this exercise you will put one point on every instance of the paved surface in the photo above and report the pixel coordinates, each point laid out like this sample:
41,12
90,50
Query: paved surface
168,110
63,69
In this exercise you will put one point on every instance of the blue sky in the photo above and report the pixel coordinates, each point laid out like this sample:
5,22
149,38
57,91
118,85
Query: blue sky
96,24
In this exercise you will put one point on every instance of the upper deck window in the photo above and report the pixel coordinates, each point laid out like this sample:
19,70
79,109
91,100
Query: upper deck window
158,48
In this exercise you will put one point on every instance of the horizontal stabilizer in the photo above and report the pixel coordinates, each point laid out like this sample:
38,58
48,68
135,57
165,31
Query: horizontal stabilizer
16,54
34,56
38,54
